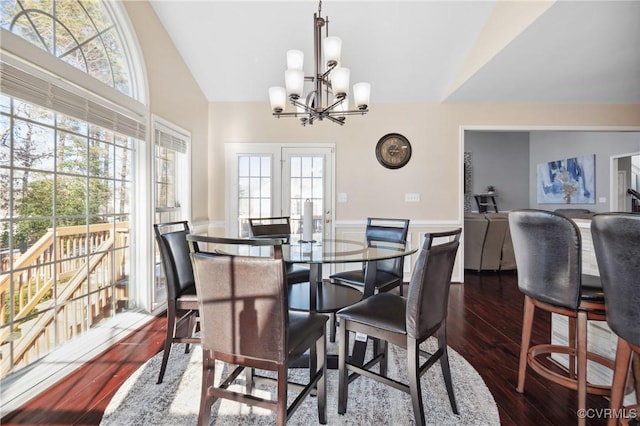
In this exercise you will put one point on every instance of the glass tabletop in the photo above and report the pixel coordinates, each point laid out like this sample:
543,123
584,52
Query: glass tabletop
342,251
326,251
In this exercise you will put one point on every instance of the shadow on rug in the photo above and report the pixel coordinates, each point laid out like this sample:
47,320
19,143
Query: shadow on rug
140,401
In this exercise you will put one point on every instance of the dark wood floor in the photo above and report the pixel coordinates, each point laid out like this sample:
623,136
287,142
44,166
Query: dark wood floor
485,317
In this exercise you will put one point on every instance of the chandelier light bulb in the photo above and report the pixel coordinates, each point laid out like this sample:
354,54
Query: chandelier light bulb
361,95
332,47
340,81
294,82
278,98
295,59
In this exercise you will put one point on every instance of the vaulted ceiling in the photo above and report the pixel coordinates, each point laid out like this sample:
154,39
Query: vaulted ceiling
445,51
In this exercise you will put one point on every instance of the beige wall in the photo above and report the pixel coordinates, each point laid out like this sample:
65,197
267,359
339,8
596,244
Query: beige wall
434,133
433,129
174,95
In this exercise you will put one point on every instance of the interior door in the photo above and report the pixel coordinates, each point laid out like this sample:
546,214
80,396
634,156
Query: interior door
266,180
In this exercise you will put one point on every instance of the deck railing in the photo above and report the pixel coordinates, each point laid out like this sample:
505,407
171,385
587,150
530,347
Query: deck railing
62,285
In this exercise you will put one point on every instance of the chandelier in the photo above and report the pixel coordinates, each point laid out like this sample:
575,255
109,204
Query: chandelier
329,97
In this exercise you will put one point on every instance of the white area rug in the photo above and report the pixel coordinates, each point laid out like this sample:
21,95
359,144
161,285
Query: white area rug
140,401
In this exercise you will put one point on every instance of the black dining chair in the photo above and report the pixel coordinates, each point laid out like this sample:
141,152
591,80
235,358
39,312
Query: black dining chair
548,251
405,322
279,227
616,241
182,305
245,321
389,273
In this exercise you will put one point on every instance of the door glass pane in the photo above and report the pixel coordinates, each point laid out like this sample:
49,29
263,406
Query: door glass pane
254,190
307,183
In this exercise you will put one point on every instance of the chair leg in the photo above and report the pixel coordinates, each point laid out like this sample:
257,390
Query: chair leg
321,349
208,377
333,325
281,410
343,373
582,365
384,362
527,321
572,344
168,340
623,358
249,381
313,365
413,360
446,370
192,329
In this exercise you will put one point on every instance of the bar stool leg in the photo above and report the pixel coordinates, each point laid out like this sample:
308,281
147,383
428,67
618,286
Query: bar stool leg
572,344
527,321
623,357
582,365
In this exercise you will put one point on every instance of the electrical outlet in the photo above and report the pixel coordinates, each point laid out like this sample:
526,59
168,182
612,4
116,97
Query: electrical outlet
412,197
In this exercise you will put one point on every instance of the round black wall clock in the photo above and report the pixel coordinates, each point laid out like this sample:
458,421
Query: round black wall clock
393,151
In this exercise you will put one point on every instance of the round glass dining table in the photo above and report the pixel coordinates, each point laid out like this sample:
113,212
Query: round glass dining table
324,296
330,297
318,253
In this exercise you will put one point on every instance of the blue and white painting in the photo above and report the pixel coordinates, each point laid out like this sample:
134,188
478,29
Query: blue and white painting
569,181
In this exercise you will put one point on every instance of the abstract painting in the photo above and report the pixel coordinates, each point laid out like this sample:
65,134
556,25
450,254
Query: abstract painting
568,181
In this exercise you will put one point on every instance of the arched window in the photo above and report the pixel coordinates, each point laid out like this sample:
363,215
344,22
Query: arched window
72,114
80,33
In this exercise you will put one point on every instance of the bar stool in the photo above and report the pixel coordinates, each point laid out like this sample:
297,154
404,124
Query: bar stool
548,251
616,241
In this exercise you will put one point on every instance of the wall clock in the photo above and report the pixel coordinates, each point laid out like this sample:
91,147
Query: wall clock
393,151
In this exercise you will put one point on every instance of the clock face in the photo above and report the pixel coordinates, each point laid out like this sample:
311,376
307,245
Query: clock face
393,151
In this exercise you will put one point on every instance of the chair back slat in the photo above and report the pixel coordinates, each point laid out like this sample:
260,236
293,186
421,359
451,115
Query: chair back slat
270,226
428,295
616,241
242,302
174,252
548,251
384,230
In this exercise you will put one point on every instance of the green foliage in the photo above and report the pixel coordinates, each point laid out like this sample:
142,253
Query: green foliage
71,208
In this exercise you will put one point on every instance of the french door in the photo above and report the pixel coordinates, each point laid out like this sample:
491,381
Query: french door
268,180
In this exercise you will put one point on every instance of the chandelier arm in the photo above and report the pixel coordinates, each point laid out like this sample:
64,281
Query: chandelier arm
323,77
336,120
297,103
351,112
290,114
329,109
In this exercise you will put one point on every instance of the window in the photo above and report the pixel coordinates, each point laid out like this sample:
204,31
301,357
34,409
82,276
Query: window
68,145
172,188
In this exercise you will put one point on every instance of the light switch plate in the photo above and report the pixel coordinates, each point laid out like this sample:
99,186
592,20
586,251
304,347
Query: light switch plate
342,197
412,197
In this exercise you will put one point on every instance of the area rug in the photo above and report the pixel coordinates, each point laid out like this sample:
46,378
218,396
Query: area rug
140,401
